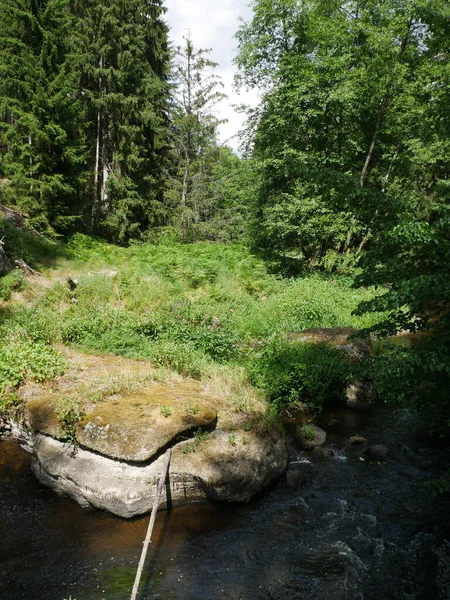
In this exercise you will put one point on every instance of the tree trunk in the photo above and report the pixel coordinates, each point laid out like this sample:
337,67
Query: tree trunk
383,109
106,168
382,113
96,169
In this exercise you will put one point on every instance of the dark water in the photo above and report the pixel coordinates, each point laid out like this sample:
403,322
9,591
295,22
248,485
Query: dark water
353,531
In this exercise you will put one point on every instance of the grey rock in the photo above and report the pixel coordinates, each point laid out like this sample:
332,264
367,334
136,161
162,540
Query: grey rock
356,444
377,452
215,471
360,395
320,453
305,441
343,339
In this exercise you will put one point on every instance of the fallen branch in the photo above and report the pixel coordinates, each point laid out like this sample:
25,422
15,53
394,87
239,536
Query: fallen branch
151,524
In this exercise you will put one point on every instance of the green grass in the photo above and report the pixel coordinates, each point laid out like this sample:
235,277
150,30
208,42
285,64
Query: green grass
193,308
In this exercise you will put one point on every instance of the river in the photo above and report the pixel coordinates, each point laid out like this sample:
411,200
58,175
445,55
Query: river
354,530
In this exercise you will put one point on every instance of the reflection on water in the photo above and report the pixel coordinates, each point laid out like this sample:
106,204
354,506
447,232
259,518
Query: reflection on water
352,530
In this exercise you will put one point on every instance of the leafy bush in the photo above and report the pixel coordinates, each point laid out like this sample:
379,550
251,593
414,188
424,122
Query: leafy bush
26,359
207,334
294,373
70,414
9,283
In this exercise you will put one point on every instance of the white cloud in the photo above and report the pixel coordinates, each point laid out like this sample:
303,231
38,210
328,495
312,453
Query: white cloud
213,26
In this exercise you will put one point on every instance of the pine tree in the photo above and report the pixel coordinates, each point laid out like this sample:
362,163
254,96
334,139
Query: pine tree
121,55
194,135
42,151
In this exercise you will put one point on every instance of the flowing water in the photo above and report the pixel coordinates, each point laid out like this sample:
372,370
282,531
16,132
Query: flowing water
339,529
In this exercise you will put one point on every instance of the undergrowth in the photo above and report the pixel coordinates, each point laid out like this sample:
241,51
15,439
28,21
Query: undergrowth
197,309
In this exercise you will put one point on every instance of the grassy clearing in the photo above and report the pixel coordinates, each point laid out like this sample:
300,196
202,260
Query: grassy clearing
208,311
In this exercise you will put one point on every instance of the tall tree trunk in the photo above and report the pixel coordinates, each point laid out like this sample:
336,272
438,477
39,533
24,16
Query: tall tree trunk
184,192
96,169
382,113
369,157
106,167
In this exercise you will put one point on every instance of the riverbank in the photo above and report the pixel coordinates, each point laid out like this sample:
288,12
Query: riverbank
350,529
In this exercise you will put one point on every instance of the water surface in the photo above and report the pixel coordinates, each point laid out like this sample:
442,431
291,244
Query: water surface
354,530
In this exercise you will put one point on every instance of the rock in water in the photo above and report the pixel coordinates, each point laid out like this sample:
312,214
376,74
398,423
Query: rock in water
377,452
216,471
310,436
117,443
356,445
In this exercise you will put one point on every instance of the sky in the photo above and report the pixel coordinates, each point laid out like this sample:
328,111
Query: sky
213,25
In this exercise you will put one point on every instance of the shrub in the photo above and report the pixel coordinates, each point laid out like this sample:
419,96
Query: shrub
9,283
25,359
307,373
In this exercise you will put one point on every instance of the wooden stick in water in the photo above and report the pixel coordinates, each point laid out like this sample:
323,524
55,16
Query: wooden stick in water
151,524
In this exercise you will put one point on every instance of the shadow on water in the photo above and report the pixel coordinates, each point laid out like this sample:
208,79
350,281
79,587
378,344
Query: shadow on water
350,530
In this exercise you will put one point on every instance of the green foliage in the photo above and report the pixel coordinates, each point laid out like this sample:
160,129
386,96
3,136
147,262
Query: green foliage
353,121
166,411
70,414
307,432
11,405
232,439
440,486
300,373
411,260
9,283
83,105
200,437
191,308
194,130
23,359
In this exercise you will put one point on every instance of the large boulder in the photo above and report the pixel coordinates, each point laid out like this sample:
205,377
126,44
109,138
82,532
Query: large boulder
344,339
108,452
213,470
356,445
359,394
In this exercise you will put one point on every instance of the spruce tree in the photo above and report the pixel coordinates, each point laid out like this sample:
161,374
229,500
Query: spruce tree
194,135
42,150
120,53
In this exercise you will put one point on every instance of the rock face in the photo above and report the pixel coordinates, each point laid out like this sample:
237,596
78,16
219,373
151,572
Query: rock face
354,348
214,470
5,425
359,394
